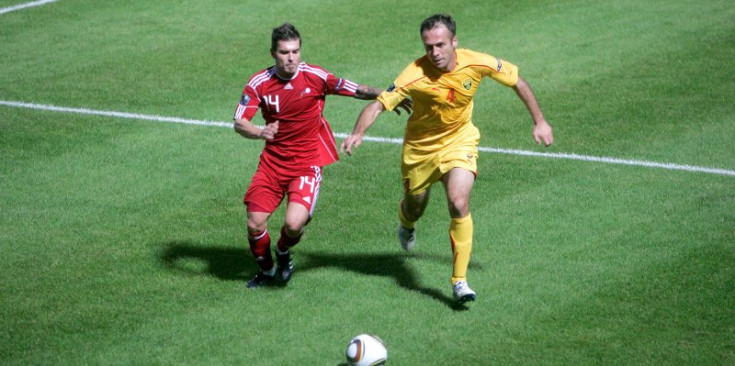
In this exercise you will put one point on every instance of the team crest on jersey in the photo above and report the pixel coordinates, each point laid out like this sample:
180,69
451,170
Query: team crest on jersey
467,84
244,99
391,88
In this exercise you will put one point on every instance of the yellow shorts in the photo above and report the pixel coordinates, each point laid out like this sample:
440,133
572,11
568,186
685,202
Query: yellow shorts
420,169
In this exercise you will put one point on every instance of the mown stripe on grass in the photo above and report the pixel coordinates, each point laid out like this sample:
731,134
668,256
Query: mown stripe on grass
596,159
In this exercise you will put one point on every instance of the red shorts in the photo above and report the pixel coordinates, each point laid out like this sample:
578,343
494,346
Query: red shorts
270,185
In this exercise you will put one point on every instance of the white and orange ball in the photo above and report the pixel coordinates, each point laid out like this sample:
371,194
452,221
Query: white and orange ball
366,350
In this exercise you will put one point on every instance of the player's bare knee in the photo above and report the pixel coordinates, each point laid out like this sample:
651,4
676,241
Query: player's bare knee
459,208
256,226
294,227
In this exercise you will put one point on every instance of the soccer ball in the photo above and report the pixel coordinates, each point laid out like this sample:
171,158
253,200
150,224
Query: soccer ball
366,350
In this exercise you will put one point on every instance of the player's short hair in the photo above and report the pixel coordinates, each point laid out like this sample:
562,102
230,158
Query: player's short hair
285,32
437,19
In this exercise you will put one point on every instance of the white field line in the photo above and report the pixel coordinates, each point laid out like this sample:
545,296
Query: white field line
147,117
24,6
596,159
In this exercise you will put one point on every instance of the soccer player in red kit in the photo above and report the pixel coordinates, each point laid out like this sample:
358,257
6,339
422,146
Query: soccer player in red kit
298,143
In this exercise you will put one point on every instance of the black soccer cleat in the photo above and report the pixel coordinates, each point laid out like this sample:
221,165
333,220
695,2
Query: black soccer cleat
260,280
285,267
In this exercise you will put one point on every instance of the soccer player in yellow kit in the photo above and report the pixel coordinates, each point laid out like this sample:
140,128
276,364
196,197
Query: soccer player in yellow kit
440,142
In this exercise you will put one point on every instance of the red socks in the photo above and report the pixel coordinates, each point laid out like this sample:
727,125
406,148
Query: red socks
286,242
260,246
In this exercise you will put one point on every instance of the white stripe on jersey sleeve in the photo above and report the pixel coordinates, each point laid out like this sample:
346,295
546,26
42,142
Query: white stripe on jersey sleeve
350,86
261,78
239,112
318,72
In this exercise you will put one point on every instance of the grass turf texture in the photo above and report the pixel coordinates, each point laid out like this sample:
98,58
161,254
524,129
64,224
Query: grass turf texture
123,241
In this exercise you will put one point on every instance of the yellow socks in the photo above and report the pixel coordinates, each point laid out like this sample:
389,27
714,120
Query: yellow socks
460,234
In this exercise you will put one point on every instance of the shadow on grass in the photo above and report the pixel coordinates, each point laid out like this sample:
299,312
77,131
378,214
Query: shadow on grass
229,264
391,265
235,264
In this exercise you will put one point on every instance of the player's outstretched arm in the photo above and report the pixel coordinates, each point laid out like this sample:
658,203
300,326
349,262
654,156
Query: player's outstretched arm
369,93
542,130
366,92
248,130
366,119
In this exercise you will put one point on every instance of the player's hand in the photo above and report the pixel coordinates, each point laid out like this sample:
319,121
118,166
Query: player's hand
542,132
349,142
406,104
269,131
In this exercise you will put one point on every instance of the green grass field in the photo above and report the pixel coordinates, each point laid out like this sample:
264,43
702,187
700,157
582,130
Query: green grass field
123,240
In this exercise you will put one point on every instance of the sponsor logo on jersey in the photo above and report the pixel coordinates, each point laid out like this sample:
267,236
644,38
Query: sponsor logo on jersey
500,64
288,86
467,84
391,88
244,99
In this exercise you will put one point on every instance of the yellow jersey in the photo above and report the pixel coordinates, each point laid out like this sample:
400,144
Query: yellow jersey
442,110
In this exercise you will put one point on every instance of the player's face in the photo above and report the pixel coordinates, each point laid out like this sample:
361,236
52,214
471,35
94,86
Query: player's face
439,45
288,57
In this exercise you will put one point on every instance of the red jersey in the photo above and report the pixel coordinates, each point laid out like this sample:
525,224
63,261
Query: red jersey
304,137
